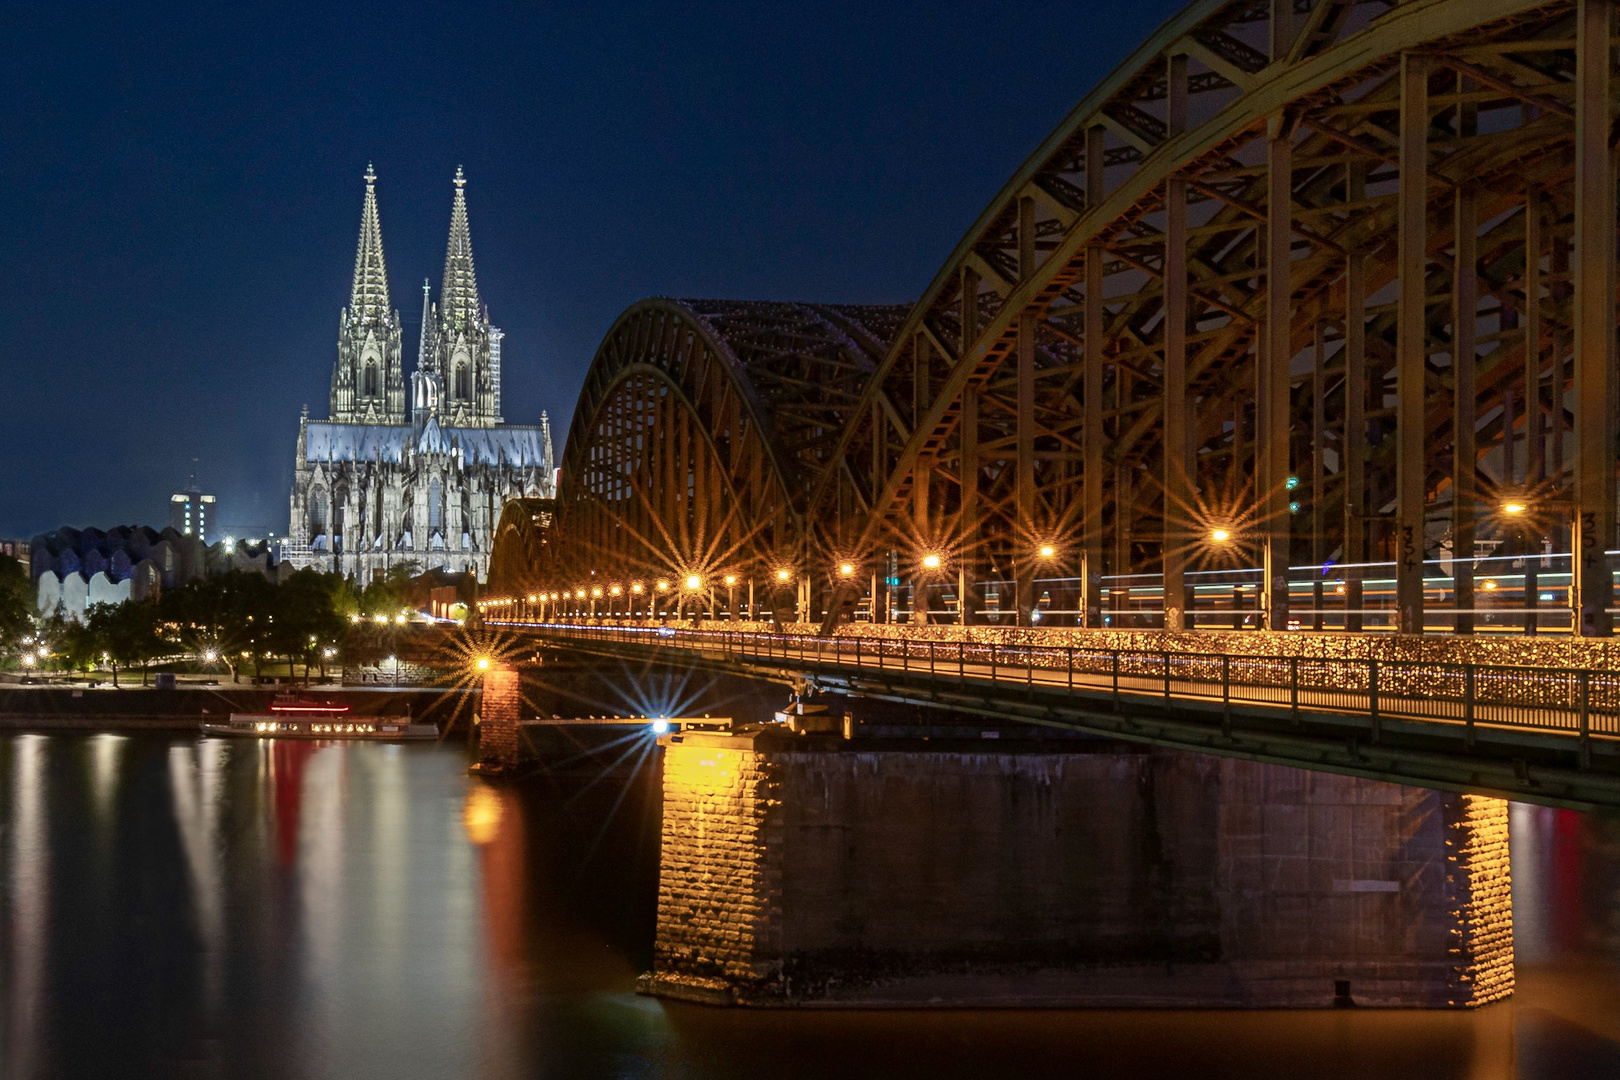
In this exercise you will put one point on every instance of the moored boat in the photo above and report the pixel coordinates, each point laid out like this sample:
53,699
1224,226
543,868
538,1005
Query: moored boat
297,718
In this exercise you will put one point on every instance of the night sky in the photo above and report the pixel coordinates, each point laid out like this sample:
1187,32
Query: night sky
180,197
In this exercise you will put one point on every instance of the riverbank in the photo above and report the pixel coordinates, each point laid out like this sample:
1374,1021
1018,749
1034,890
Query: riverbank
104,708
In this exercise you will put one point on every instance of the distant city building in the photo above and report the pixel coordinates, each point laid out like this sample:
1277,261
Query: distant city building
373,488
192,513
16,549
73,569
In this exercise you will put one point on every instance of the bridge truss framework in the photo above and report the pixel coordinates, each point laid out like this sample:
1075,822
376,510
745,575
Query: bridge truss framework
1304,283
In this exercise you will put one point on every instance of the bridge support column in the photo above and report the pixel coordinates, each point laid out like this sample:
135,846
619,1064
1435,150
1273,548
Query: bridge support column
1354,444
1411,342
1091,435
1272,411
1594,322
498,712
803,869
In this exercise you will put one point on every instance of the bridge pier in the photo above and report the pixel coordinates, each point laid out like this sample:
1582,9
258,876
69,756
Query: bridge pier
813,870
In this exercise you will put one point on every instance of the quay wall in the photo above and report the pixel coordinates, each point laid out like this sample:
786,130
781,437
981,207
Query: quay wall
49,708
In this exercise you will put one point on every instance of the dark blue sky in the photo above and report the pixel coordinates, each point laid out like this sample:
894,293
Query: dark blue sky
180,197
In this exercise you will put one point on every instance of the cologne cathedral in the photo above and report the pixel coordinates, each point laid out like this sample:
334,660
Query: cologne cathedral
375,488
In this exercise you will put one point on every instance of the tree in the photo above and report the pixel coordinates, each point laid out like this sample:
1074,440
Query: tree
306,616
16,605
125,633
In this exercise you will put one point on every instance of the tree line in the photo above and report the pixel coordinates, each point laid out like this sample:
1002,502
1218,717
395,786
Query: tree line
239,621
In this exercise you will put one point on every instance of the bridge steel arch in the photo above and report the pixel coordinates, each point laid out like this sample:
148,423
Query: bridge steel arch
1328,280
698,434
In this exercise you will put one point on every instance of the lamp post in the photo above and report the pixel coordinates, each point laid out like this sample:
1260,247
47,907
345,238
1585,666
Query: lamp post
731,597
635,591
783,576
694,585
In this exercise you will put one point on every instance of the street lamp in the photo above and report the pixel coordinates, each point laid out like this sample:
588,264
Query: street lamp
693,583
930,561
1220,536
1514,508
1047,551
784,575
846,569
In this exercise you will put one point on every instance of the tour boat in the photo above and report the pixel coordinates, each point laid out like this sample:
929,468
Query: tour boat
296,718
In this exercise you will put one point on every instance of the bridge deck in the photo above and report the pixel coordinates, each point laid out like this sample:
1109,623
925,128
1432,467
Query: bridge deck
1548,735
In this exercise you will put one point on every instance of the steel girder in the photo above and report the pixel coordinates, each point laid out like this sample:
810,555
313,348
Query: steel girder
700,431
521,548
1104,367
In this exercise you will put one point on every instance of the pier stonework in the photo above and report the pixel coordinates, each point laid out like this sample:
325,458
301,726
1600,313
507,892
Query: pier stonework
803,871
498,714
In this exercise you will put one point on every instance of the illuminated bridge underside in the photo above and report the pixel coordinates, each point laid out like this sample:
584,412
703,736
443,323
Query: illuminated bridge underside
1335,279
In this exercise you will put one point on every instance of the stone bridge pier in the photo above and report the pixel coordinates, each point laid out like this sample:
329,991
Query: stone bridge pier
806,869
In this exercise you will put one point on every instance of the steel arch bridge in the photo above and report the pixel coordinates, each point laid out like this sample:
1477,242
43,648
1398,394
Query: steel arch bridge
1303,284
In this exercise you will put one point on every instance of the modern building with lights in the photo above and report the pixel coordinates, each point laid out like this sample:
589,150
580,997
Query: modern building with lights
193,512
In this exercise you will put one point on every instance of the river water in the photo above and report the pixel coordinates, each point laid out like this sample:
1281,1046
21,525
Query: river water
174,907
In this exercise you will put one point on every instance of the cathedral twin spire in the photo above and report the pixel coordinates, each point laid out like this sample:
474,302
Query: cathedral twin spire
459,296
457,377
368,299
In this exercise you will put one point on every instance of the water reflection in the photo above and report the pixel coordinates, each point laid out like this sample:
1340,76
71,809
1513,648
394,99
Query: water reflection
196,784
176,907
29,868
105,750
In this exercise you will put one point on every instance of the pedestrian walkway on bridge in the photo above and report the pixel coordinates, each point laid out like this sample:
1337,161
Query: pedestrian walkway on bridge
1542,732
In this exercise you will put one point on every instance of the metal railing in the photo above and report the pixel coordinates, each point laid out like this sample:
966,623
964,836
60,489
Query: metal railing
1583,704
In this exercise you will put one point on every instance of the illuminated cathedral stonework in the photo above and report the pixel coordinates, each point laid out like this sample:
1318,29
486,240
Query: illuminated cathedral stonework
374,488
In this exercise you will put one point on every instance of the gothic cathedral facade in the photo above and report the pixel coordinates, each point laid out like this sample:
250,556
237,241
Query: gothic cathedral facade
375,488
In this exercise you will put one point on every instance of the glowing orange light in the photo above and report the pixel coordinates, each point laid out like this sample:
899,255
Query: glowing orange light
1513,508
481,814
1220,536
1047,551
846,569
931,562
483,663
694,583
731,579
784,574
